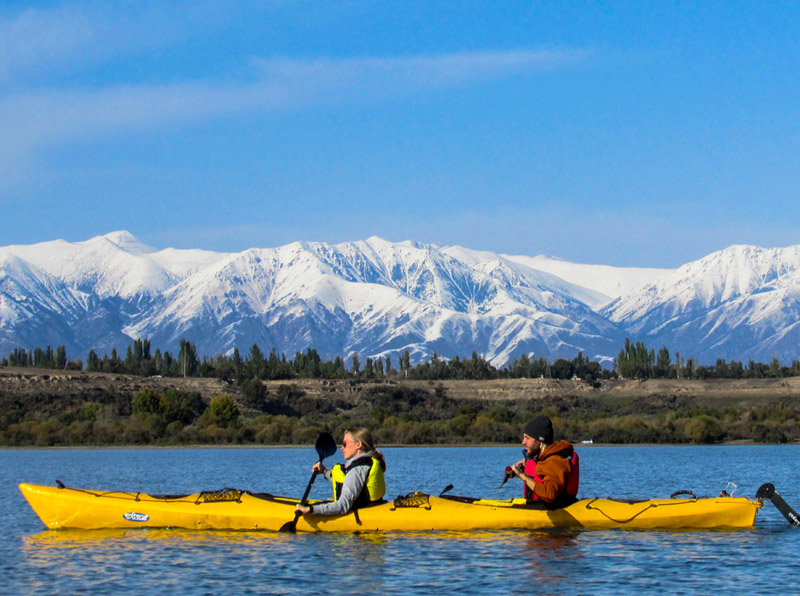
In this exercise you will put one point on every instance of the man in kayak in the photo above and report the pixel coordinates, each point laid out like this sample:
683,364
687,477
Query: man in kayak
358,482
550,471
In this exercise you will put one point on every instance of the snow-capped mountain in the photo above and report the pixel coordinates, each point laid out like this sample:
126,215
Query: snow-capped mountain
377,298
374,298
742,302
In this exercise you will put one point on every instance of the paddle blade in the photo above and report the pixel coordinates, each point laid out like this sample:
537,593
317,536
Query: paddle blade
767,491
325,446
291,526
509,474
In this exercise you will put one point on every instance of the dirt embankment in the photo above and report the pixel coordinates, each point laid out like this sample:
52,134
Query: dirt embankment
48,386
48,392
28,381
735,391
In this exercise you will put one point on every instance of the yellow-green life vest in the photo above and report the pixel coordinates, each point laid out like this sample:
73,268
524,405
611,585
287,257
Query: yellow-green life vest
373,489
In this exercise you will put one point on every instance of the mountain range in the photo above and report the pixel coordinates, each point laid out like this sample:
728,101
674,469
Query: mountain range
378,298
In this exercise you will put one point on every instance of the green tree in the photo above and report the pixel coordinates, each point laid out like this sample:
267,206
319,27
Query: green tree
521,367
146,401
775,368
177,406
663,364
18,357
222,411
405,363
254,392
187,359
635,361
61,357
256,363
562,369
158,362
167,364
704,429
93,362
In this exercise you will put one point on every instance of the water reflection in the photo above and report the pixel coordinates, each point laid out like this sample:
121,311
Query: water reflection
102,538
550,559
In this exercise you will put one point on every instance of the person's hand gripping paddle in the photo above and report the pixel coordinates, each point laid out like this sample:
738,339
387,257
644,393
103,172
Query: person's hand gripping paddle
325,447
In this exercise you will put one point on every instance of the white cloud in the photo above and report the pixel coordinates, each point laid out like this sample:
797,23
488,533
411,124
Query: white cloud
38,38
37,119
59,114
404,73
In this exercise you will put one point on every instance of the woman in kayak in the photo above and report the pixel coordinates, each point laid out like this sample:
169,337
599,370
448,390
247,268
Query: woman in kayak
356,483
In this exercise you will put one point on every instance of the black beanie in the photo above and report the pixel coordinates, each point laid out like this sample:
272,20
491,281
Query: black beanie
540,428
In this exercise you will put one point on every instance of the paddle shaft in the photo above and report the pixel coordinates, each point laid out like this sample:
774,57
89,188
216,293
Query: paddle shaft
304,500
325,447
292,525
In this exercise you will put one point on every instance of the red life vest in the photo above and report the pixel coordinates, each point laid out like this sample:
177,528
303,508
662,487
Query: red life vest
573,480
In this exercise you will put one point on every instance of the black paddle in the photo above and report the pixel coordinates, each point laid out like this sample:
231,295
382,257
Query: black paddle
325,447
767,491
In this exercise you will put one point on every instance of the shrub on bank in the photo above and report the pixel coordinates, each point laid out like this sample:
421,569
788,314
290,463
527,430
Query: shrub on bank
408,416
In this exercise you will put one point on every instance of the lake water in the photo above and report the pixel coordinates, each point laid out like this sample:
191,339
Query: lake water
764,559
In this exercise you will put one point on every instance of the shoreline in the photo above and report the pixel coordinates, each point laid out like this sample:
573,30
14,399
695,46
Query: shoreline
387,446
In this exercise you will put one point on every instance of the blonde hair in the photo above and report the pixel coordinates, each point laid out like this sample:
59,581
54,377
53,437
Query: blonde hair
363,436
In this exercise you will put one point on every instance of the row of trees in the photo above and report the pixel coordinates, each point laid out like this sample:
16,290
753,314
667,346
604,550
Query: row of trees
140,361
634,361
41,358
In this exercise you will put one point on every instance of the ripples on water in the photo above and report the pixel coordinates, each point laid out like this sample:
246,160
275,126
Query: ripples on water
550,562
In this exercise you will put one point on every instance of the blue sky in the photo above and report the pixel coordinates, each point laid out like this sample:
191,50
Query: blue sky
621,133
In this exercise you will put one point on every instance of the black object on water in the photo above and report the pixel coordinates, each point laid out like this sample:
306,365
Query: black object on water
767,491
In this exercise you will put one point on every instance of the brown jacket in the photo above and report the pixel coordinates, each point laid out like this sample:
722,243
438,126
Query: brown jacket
554,470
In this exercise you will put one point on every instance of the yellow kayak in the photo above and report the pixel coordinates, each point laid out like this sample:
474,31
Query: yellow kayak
232,509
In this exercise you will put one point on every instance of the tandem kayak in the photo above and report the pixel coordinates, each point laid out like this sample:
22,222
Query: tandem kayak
232,509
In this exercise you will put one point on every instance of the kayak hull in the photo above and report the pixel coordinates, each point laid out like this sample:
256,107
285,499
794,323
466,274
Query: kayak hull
68,508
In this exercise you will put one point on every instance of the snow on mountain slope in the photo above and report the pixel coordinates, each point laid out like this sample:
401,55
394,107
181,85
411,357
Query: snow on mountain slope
101,265
36,308
489,261
186,262
373,298
26,291
127,242
608,282
741,302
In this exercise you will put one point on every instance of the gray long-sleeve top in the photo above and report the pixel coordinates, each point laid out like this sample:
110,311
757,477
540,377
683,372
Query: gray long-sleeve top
354,481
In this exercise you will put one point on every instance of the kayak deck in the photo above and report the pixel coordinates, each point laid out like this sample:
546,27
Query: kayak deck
233,509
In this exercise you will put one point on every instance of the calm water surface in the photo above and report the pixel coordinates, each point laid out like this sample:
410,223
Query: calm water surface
35,561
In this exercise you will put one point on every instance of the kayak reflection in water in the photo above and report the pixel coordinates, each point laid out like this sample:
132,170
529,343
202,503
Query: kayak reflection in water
550,471
356,483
